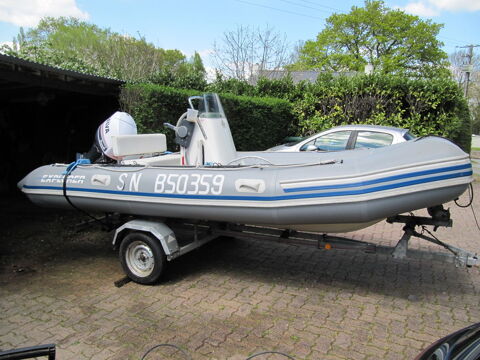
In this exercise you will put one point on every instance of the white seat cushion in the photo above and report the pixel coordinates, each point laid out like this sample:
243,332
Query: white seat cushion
162,160
124,145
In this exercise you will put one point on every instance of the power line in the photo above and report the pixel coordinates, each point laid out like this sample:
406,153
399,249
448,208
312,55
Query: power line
324,6
281,10
450,39
306,6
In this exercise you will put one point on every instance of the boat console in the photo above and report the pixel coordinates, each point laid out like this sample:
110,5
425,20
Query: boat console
203,134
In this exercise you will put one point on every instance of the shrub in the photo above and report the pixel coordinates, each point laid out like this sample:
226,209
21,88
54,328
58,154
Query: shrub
425,106
433,106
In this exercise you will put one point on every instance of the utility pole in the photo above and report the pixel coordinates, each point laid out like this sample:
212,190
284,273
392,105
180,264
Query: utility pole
468,67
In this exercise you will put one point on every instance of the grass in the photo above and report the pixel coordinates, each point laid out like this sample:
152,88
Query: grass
475,148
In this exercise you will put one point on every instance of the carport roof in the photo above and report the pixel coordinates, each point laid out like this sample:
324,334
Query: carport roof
21,75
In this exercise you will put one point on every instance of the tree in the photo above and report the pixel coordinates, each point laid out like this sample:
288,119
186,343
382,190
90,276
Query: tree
246,52
459,61
389,39
296,50
77,45
476,119
188,75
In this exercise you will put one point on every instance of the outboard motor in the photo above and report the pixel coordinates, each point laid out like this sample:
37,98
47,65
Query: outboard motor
120,123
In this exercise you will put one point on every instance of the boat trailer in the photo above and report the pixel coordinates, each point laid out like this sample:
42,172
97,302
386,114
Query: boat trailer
145,245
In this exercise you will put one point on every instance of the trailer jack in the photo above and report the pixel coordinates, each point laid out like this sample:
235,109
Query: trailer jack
461,257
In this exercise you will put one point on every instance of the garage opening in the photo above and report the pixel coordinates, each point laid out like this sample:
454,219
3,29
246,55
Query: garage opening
47,115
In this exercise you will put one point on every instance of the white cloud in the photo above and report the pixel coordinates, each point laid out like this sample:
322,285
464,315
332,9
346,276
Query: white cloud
211,74
431,8
420,9
456,5
204,53
7,44
29,12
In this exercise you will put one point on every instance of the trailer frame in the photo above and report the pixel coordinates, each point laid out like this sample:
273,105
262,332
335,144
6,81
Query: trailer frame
169,233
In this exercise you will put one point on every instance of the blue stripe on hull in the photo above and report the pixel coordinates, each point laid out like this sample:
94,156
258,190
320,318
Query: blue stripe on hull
280,197
379,181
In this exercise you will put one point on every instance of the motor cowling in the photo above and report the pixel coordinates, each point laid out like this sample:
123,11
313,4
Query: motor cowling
120,123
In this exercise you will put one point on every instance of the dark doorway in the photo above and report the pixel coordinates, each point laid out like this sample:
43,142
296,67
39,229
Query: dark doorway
47,115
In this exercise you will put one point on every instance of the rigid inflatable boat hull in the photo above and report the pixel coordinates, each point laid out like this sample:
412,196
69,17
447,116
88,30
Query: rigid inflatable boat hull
355,190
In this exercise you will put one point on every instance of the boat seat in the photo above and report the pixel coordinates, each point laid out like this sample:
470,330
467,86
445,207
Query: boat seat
126,145
161,160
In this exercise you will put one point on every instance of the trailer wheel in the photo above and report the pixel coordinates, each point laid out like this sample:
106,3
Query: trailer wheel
142,257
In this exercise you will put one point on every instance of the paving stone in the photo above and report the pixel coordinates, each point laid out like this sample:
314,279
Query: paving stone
230,299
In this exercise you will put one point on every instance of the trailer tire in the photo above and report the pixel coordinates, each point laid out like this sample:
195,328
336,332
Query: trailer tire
142,257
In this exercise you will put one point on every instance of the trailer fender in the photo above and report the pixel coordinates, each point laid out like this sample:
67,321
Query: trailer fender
159,230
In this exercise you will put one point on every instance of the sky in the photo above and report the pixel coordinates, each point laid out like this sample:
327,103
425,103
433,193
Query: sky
190,26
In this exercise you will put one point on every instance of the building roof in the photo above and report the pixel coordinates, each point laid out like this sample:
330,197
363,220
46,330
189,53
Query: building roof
297,76
16,73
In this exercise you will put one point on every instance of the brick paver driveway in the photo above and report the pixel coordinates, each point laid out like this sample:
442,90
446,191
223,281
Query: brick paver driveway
229,299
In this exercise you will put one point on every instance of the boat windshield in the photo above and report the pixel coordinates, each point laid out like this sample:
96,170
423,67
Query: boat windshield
210,106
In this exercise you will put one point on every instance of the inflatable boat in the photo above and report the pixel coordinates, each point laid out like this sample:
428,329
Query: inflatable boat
208,179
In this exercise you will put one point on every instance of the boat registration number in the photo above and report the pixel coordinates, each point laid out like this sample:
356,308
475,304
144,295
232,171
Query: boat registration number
192,184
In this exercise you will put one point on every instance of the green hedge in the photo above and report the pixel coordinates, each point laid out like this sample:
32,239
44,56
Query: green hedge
256,123
425,106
